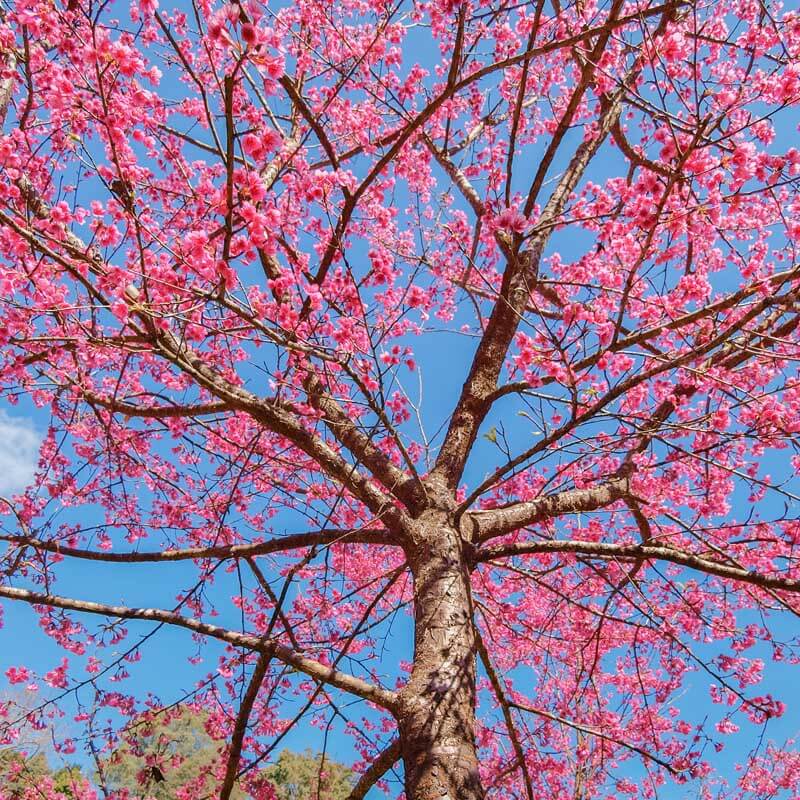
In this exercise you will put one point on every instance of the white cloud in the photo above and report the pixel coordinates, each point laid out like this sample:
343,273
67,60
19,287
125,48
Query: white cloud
19,452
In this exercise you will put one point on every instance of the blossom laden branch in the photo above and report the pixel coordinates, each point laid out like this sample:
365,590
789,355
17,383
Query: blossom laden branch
646,754
230,395
521,274
308,666
295,541
608,550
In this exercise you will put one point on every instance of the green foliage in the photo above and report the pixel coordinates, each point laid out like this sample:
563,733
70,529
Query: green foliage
166,752
69,781
19,771
163,753
304,776
23,775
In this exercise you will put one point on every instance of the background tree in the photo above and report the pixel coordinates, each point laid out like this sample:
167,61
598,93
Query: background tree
297,776
25,777
166,752
30,768
447,350
163,753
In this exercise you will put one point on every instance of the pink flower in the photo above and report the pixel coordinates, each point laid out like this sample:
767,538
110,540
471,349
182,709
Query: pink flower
57,678
511,220
251,144
249,33
17,674
271,140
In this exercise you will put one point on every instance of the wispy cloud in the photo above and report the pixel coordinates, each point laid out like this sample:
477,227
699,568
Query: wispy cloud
19,451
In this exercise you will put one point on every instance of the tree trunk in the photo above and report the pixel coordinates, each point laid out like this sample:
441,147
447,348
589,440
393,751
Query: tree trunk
436,714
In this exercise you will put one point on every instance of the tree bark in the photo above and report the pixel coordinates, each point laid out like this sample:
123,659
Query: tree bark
436,708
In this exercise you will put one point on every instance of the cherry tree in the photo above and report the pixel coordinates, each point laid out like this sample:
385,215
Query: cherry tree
451,348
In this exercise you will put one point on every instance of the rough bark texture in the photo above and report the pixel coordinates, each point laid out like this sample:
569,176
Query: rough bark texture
436,709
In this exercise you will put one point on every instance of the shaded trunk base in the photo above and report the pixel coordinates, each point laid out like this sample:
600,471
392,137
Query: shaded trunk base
441,770
436,714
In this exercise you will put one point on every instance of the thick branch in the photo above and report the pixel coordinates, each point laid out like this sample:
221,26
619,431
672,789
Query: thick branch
519,279
314,669
499,521
635,157
608,550
395,480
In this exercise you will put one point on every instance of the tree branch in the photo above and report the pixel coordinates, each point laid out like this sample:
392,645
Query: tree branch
155,412
294,541
308,666
280,420
380,766
407,488
608,550
599,734
640,338
240,727
722,340
519,279
506,708
273,416
451,89
311,119
499,521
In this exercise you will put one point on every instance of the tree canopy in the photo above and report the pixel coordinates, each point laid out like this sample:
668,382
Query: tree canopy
162,754
297,776
428,368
